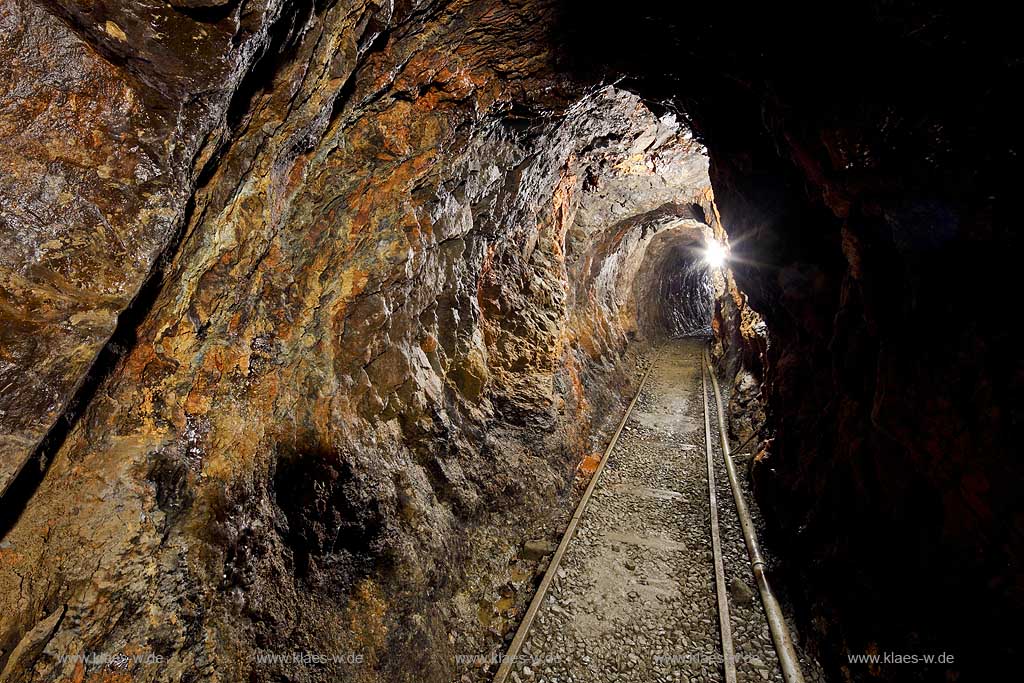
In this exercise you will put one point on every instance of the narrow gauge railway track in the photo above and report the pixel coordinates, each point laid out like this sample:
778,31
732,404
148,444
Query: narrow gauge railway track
726,655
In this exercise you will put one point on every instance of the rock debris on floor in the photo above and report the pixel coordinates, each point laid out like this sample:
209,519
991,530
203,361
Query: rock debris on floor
633,599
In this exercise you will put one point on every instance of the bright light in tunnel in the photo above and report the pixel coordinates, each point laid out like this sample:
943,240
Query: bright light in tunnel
714,254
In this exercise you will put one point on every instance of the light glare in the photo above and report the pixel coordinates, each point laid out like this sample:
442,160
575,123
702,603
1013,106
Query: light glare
714,254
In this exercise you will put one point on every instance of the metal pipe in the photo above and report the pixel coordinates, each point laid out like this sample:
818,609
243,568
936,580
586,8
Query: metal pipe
776,623
725,628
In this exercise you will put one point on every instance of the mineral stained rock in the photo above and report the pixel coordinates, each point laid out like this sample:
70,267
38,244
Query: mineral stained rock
108,114
387,257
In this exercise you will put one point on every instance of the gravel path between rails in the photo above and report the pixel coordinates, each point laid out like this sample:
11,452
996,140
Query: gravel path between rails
634,597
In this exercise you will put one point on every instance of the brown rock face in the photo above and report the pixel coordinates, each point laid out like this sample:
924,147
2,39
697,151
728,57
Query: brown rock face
107,122
399,255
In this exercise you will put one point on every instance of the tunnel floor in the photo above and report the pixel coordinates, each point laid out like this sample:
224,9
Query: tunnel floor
634,595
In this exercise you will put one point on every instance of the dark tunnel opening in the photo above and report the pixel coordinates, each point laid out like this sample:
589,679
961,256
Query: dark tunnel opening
676,289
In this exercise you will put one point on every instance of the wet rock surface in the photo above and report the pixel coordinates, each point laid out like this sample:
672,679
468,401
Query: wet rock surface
109,114
376,351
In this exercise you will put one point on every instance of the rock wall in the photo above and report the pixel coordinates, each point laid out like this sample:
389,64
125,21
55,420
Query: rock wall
859,156
337,298
106,129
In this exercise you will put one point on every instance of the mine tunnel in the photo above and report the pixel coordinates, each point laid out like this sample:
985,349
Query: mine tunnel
515,341
677,287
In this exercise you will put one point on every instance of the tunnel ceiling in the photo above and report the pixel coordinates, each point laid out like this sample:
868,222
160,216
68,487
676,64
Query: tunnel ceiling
310,310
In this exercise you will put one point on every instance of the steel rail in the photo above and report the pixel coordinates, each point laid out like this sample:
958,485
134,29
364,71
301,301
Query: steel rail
724,626
512,654
776,623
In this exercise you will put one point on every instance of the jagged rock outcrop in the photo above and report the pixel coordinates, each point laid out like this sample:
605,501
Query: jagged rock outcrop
388,323
106,128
